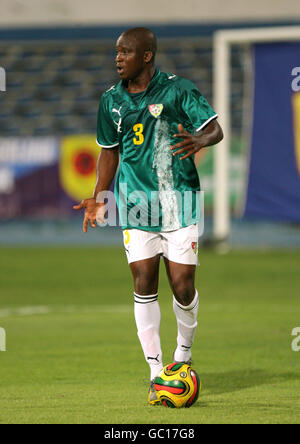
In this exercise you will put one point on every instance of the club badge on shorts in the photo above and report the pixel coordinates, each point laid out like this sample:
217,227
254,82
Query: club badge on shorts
156,110
195,247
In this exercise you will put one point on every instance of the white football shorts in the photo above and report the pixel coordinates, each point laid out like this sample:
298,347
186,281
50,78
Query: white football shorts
180,246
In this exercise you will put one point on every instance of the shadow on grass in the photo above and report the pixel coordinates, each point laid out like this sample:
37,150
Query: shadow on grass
227,382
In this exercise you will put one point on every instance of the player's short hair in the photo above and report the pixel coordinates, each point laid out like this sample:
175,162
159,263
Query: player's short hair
146,36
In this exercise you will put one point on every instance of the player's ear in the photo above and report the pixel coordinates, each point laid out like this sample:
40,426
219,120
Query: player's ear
148,55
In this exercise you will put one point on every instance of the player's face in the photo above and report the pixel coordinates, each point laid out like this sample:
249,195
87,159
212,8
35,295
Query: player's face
130,58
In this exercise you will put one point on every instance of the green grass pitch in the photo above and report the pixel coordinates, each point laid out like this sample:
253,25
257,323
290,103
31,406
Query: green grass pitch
73,354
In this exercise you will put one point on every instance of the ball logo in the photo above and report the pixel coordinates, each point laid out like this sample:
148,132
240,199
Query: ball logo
156,110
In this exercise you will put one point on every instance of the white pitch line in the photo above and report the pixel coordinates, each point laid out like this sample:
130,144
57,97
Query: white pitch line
46,309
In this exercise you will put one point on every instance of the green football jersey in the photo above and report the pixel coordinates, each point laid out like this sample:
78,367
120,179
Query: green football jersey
155,191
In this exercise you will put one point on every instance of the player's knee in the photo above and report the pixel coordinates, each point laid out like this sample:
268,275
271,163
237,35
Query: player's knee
184,291
145,283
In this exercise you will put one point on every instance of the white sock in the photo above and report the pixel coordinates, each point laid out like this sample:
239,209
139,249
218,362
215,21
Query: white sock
148,317
187,324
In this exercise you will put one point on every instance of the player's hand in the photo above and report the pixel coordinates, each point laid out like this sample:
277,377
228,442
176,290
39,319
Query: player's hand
94,213
190,145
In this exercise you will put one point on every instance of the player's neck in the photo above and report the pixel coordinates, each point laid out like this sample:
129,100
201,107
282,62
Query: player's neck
141,83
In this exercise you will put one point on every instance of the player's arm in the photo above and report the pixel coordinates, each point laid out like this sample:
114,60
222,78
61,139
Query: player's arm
192,143
107,166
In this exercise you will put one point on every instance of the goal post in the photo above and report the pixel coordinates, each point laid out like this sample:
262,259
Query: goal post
222,43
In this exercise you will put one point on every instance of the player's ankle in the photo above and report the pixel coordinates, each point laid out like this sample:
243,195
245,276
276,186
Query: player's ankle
155,371
182,356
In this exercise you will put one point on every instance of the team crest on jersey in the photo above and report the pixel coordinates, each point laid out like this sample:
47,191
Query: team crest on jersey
156,109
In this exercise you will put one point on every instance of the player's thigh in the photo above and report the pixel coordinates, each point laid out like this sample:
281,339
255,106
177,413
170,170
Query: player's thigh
143,250
146,275
182,281
180,250
140,245
181,246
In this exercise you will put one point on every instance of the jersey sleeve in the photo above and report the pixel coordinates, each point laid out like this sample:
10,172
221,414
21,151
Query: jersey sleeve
107,135
196,107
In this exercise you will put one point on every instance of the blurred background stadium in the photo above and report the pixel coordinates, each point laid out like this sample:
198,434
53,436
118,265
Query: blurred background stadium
58,57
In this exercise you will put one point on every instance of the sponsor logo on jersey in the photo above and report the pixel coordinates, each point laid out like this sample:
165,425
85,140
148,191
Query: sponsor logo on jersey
156,109
119,123
111,88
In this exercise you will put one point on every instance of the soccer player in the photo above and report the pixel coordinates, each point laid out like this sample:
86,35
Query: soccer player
151,125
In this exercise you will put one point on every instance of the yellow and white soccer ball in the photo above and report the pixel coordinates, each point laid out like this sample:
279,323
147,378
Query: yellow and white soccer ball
178,385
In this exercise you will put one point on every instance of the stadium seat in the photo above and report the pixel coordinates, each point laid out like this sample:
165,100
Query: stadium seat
65,81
